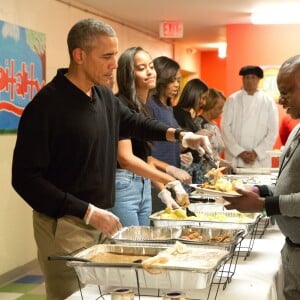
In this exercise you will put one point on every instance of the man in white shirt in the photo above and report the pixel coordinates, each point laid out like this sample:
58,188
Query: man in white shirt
249,123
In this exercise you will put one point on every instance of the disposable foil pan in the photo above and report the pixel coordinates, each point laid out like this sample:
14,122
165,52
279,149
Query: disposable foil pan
214,237
212,219
146,234
186,274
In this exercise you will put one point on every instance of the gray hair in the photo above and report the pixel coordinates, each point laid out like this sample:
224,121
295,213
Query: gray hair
82,34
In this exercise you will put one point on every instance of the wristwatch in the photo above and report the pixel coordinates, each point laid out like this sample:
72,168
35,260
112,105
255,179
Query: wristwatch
177,133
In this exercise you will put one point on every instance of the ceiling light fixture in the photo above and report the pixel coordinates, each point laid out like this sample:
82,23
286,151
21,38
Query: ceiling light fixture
221,47
284,16
222,50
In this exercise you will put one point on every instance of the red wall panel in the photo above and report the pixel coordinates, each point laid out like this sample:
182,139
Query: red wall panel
213,70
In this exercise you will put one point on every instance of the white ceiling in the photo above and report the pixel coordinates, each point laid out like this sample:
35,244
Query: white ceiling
204,21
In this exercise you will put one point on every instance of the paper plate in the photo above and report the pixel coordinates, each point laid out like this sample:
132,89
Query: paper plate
217,193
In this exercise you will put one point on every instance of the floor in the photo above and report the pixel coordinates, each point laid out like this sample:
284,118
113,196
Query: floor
28,287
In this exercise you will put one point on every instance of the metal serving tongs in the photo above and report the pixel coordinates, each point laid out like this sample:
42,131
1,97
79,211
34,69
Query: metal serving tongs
213,175
207,157
210,160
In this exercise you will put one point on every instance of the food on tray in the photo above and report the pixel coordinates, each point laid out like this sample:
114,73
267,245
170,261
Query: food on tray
158,259
182,256
216,216
194,235
108,257
222,185
177,214
165,256
213,175
217,181
184,271
222,238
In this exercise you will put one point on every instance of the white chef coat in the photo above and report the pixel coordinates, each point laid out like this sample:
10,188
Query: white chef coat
249,122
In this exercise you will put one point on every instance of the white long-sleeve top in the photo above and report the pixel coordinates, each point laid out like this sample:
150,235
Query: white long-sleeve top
249,122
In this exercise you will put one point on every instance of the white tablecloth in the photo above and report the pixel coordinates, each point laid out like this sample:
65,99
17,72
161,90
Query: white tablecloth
259,277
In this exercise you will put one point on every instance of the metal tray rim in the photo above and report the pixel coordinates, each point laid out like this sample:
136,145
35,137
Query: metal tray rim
139,265
255,219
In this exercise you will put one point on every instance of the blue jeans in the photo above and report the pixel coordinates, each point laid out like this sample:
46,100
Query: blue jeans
133,204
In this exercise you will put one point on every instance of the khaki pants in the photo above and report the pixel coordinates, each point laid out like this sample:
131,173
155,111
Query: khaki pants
61,236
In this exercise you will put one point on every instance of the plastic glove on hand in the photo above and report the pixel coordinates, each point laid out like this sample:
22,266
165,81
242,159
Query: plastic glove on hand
197,142
186,159
182,197
205,132
166,198
179,174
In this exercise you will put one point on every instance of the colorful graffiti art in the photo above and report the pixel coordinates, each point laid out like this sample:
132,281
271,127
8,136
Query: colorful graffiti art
22,71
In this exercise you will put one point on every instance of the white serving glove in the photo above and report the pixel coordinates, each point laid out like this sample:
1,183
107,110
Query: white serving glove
182,197
186,159
166,198
205,132
197,142
179,174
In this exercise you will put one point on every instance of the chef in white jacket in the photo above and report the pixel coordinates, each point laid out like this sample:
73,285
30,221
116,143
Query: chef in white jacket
249,123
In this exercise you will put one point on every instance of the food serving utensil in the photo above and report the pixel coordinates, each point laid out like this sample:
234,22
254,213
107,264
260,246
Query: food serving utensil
81,259
209,159
190,213
68,258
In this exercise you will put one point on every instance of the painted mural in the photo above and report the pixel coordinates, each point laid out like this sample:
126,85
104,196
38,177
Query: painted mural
269,82
22,71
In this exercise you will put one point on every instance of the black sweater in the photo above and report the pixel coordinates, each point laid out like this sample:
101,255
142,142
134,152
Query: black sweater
140,148
66,151
186,122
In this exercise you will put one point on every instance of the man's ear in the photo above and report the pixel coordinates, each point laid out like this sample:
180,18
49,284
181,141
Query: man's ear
78,55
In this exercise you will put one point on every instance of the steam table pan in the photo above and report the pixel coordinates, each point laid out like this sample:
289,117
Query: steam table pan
192,272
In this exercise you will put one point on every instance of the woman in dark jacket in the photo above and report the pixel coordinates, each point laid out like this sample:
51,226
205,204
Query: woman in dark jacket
191,100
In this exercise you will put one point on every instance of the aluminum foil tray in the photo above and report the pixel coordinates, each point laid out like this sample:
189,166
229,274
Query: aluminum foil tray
185,274
254,179
147,234
197,197
253,170
200,207
214,237
225,219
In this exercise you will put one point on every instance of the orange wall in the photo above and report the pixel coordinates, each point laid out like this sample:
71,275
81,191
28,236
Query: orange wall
259,45
264,45
213,70
249,44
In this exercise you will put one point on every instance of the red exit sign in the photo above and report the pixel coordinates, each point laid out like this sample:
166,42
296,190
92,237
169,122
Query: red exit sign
171,29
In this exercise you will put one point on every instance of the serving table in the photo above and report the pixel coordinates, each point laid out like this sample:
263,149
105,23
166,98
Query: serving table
259,277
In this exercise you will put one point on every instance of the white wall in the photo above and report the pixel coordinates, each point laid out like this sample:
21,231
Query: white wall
53,18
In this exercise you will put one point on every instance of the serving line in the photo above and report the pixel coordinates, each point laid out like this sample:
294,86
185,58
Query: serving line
259,277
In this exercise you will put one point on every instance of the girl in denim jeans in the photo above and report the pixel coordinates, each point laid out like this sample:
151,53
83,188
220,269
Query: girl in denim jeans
136,76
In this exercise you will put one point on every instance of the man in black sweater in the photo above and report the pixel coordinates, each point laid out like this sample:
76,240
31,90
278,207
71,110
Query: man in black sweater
66,152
